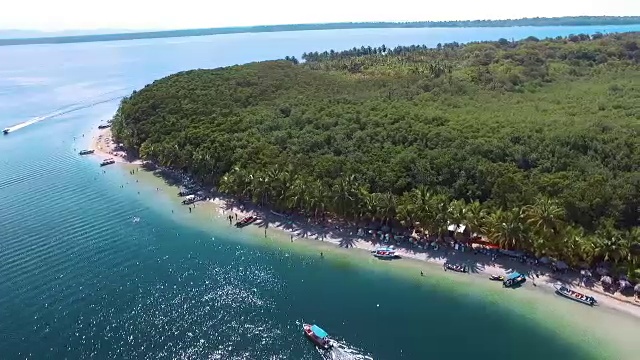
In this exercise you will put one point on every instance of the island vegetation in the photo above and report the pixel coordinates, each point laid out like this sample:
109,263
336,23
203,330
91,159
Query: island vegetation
556,21
533,143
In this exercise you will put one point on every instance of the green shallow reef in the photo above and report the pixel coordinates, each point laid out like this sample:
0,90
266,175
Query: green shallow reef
533,143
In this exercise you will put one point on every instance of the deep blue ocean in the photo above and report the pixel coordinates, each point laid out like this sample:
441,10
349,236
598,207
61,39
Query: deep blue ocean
80,280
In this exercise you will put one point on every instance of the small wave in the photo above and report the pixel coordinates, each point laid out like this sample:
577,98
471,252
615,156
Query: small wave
61,111
344,351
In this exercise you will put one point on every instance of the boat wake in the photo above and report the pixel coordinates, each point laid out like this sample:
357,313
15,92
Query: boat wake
62,111
343,351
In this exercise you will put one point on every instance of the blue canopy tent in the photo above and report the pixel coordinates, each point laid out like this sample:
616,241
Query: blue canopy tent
319,332
513,275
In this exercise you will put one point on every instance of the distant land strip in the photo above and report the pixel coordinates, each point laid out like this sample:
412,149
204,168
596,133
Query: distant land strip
556,21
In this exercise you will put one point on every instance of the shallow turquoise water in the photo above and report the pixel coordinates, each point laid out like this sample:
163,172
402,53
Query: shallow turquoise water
79,279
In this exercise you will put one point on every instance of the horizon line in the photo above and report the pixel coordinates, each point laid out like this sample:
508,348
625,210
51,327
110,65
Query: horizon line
582,20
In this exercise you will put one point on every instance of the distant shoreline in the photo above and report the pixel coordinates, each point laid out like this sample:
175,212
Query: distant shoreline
531,22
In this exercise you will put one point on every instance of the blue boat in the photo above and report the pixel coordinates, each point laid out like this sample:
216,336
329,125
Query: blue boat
514,279
318,336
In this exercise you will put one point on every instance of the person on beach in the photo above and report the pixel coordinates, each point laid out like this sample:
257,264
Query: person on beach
321,254
421,273
189,209
265,232
291,238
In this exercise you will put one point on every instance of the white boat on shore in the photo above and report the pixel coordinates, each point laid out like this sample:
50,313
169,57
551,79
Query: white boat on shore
385,252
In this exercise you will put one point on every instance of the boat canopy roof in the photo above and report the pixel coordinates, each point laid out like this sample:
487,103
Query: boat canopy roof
513,275
319,332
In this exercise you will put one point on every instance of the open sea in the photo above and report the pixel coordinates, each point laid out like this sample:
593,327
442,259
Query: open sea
79,279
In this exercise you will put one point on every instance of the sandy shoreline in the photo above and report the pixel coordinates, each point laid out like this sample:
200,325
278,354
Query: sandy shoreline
293,228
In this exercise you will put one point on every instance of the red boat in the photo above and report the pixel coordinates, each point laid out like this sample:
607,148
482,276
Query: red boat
246,221
318,336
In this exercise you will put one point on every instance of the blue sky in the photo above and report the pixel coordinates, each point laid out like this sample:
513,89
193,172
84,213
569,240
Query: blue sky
56,15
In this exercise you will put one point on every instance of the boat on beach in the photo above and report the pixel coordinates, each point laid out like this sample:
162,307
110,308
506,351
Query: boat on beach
246,221
575,296
318,336
104,126
455,267
514,279
189,199
496,277
384,252
87,152
108,161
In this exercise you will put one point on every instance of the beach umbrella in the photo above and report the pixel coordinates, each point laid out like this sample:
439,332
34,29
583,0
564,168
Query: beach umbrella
624,284
637,288
561,265
606,280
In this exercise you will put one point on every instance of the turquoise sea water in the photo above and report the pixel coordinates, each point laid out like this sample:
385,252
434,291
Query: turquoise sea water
80,279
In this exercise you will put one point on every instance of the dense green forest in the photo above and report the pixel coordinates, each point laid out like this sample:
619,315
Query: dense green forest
557,21
532,143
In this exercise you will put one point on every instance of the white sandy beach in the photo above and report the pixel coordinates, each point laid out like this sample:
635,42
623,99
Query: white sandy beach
278,226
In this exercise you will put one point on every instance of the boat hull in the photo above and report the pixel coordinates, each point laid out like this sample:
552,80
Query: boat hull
456,268
575,296
322,343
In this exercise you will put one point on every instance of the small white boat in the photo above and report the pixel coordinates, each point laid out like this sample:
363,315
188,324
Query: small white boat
6,131
385,252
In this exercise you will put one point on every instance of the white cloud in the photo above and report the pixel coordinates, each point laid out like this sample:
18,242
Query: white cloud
55,15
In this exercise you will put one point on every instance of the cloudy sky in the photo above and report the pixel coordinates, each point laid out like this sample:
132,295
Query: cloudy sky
56,15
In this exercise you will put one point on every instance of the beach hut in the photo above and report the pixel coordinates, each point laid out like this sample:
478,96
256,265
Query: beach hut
459,232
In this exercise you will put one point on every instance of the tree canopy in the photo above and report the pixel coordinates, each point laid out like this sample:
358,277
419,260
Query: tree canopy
533,143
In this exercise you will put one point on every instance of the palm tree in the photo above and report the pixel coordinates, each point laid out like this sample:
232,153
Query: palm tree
545,216
506,229
474,217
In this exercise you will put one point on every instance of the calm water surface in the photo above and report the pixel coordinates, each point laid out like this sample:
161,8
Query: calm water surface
79,279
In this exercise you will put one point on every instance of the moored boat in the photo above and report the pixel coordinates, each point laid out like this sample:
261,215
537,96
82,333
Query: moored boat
455,267
5,131
318,336
108,161
87,152
246,221
384,252
574,295
514,279
189,199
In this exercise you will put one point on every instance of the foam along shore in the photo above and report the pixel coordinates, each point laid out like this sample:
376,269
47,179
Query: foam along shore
340,234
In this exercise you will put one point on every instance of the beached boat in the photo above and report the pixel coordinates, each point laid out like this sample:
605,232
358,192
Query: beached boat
514,279
574,295
384,252
455,267
5,131
318,336
86,152
190,199
246,221
108,161
104,126
496,277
